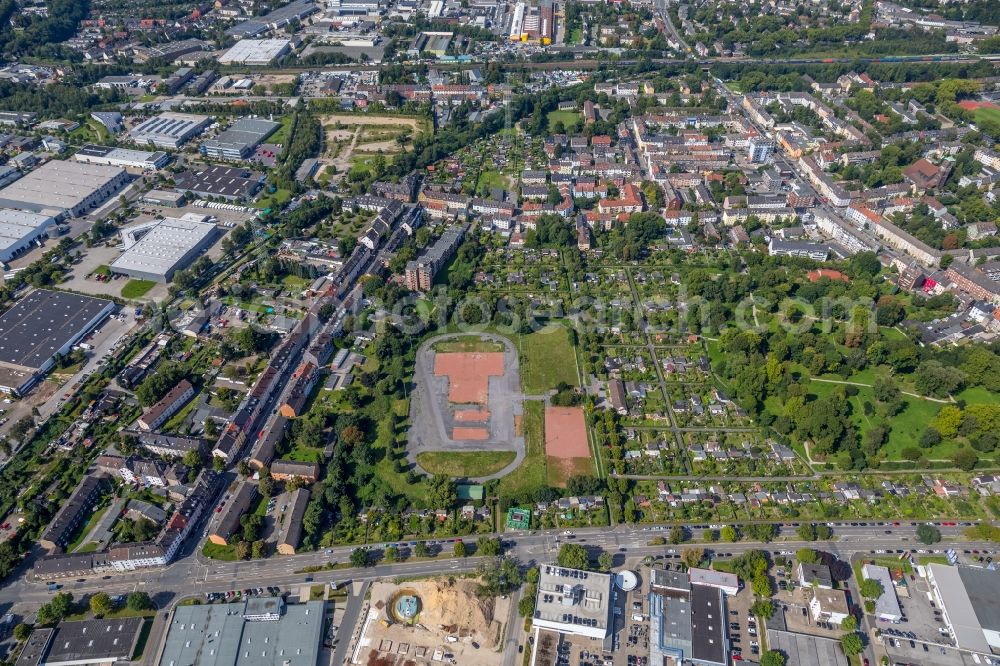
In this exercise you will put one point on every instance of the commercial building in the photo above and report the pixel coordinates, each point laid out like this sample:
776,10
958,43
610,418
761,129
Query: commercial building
66,188
38,328
814,575
687,621
240,140
156,250
229,522
829,606
255,52
290,529
420,273
573,602
720,580
258,631
74,511
887,605
167,406
122,157
93,642
221,182
806,649
969,598
169,130
165,198
19,230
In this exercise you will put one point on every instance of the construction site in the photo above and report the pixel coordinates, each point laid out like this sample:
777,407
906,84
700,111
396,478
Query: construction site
437,621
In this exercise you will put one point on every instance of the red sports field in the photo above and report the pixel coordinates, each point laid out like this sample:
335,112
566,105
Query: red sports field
472,416
567,451
970,105
468,374
470,433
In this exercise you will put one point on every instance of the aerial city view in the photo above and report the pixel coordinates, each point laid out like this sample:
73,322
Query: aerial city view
500,332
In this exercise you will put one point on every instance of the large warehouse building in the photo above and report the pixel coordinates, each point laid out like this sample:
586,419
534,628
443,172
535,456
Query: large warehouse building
39,327
19,230
156,250
122,157
255,52
169,130
64,188
258,631
240,140
970,600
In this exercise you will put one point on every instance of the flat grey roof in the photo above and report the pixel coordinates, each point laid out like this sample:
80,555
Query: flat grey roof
34,648
94,641
805,650
41,323
244,133
887,604
708,625
172,126
59,184
983,588
217,635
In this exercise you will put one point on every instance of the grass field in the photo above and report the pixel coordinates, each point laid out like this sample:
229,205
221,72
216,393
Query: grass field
988,118
567,118
977,395
547,358
490,179
468,343
217,552
281,135
465,464
276,198
530,474
137,288
559,470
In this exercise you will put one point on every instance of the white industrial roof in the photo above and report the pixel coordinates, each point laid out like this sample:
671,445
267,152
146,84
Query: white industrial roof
16,224
163,245
60,185
254,50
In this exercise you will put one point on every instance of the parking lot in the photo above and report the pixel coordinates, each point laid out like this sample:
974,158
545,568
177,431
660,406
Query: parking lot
744,632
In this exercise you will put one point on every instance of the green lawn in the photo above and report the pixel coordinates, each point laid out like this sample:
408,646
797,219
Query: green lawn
977,395
530,474
547,358
86,527
465,464
217,552
576,36
468,343
490,178
273,200
281,134
137,288
988,119
567,118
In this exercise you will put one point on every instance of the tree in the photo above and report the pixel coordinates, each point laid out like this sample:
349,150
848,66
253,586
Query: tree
761,585
22,631
965,459
729,534
193,459
711,536
258,550
850,623
870,588
807,556
677,535
806,532
573,556
100,604
772,658
852,644
928,534
392,554
459,550
498,577
139,601
488,546
692,557
605,560
526,606
929,437
763,608
421,550
242,550
359,558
